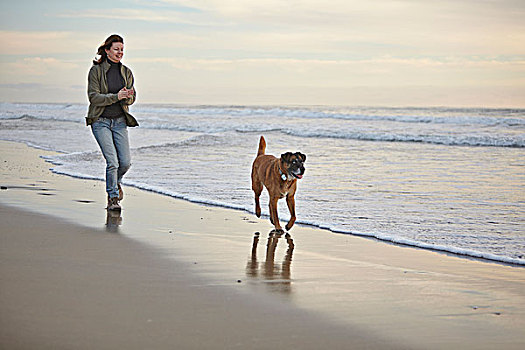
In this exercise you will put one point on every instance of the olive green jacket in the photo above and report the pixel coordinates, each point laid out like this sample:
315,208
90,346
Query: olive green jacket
99,97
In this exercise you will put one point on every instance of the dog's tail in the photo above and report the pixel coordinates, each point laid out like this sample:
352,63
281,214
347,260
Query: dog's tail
262,146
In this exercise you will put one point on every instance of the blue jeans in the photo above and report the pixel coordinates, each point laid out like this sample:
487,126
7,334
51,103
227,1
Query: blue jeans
112,137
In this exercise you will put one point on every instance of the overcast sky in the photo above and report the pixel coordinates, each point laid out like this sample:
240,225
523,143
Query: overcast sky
343,52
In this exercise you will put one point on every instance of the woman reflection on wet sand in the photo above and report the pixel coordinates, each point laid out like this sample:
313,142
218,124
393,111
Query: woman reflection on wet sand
277,276
113,221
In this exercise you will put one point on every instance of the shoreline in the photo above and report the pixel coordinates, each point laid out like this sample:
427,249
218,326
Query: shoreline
390,294
452,251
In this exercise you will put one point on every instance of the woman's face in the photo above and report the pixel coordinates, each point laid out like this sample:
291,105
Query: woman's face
115,52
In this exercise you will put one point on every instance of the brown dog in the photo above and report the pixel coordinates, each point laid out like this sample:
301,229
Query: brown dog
279,176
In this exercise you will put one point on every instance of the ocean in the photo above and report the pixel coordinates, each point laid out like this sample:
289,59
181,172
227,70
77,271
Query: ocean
447,179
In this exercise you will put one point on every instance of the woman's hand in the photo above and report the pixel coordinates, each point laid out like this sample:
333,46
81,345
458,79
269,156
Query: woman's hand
125,93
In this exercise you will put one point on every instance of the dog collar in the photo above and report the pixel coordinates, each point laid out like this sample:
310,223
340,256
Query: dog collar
283,176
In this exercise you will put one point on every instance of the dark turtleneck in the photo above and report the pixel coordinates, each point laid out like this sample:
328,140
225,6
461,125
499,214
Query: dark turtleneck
115,84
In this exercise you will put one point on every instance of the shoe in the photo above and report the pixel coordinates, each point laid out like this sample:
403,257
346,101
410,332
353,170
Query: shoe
120,193
113,204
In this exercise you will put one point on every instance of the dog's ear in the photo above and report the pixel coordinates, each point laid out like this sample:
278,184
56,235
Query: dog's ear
301,156
286,156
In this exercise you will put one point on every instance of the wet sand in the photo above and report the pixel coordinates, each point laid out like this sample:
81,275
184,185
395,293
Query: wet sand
166,273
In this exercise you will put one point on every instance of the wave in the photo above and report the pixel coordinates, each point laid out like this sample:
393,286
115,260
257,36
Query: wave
512,141
198,140
448,140
43,111
432,115
59,118
487,117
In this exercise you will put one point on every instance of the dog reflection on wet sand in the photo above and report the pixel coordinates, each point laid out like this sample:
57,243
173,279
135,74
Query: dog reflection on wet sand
277,276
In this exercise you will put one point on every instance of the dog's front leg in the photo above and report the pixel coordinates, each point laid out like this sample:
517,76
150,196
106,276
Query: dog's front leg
290,201
257,206
274,216
257,188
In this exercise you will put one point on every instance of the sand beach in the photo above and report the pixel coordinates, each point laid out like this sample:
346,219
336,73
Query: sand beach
167,273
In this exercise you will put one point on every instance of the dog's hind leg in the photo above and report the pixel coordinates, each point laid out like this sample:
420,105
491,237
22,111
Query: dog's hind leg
290,200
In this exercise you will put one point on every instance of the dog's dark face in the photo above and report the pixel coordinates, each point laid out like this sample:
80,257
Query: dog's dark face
294,163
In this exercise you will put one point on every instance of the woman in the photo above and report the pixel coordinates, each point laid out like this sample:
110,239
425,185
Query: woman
110,92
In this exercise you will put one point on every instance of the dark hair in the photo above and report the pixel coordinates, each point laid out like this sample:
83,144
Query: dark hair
114,38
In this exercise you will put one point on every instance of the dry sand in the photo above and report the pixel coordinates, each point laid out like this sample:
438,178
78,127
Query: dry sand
168,274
